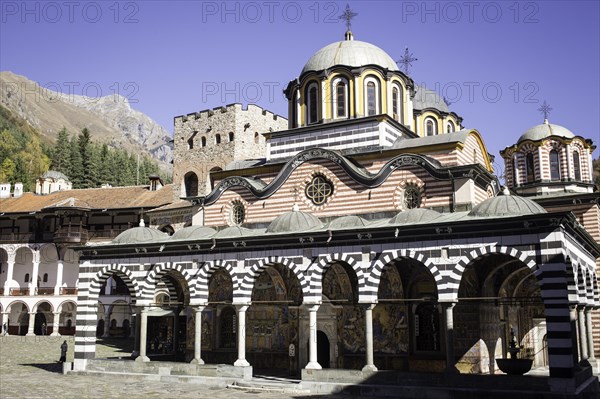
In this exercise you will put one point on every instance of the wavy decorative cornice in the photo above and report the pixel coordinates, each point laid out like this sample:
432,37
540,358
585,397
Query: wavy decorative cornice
261,190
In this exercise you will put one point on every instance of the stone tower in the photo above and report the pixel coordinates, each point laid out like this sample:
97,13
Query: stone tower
208,140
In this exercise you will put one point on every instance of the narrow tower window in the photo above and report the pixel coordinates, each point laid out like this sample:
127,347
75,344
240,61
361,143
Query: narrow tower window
530,169
554,166
371,99
312,104
340,100
577,165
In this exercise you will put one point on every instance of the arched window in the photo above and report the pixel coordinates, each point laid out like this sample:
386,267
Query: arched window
228,328
190,143
530,167
554,166
256,137
45,278
191,184
217,138
203,140
340,103
238,213
26,279
312,104
372,97
577,165
231,137
430,127
514,173
450,128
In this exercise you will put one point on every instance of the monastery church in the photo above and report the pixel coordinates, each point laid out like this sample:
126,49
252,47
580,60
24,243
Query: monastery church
365,232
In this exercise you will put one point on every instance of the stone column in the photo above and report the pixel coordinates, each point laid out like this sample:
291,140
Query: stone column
136,340
370,366
9,276
55,324
312,343
31,324
34,277
573,324
143,332
106,332
241,336
59,277
583,346
449,317
5,321
590,334
197,335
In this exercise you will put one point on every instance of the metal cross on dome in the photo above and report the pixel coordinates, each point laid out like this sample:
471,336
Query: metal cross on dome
406,60
545,109
347,15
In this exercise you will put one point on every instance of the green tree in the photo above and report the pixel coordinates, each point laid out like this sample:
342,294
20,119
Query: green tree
8,144
35,162
75,164
7,170
61,153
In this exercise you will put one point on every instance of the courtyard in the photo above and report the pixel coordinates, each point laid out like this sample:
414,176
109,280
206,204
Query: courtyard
29,370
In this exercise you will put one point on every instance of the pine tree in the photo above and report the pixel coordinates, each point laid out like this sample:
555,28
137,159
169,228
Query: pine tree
76,164
61,153
85,148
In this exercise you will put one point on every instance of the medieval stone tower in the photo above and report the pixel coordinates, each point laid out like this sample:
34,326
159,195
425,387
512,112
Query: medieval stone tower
209,140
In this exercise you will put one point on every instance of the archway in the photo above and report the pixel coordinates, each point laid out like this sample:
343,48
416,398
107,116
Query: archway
323,349
43,319
272,320
168,328
219,323
341,318
497,294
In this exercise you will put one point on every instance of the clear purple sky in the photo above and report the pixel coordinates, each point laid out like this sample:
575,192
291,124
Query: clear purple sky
497,61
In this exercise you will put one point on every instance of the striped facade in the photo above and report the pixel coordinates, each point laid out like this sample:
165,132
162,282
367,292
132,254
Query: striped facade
564,269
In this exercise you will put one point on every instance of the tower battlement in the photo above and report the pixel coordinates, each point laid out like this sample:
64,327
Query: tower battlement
209,140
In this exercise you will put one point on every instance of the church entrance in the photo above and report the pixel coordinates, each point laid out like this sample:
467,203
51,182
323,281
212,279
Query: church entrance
323,350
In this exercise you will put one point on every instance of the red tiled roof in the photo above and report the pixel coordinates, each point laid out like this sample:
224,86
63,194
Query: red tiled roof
95,198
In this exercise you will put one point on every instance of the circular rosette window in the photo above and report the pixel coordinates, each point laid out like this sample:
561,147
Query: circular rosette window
319,190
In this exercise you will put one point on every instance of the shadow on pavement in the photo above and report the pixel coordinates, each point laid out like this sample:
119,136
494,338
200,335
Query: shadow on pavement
50,367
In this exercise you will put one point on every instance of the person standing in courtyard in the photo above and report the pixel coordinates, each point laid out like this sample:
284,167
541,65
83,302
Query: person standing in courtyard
63,352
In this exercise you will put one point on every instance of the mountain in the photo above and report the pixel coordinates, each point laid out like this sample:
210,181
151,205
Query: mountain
110,119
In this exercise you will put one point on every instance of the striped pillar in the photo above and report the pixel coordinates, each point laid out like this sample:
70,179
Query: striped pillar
560,319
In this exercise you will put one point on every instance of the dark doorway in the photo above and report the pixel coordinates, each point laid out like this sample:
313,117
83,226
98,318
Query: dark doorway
40,328
323,349
100,328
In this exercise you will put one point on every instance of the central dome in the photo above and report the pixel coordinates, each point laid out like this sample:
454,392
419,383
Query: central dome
352,53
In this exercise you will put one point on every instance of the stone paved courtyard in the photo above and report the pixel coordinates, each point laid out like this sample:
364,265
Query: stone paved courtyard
29,369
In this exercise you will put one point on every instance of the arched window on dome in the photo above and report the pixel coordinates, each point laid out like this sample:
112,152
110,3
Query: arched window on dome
312,103
430,127
554,166
397,105
339,88
530,167
577,165
450,128
371,96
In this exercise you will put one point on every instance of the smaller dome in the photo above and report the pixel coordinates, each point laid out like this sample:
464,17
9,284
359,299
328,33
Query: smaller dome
506,205
138,235
416,215
425,98
193,233
347,222
234,231
544,130
294,221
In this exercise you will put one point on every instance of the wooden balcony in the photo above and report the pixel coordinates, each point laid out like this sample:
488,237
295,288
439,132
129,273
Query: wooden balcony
71,234
15,237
